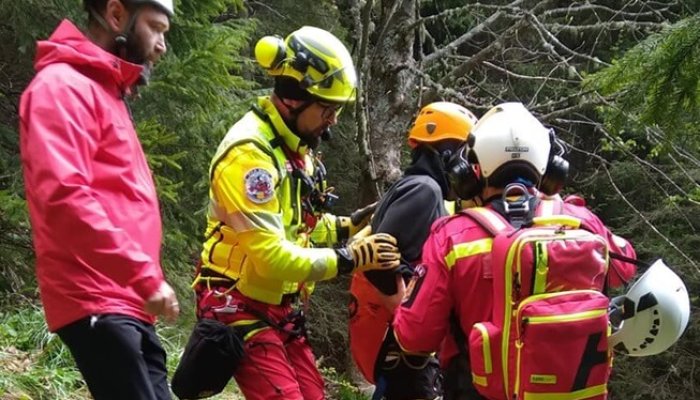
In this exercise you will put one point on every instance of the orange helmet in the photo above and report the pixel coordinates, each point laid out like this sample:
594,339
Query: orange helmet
440,121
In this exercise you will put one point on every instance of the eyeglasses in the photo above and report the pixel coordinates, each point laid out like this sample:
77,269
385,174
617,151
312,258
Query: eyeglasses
330,109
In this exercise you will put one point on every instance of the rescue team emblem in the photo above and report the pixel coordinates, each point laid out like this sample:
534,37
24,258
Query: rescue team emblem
258,185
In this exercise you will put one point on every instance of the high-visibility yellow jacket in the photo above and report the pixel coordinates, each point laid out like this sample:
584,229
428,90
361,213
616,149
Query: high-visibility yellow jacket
255,231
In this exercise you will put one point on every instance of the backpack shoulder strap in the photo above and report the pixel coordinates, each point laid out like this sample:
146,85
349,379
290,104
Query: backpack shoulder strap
549,207
488,219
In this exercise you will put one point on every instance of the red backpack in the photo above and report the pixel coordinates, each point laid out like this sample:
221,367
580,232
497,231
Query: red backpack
548,335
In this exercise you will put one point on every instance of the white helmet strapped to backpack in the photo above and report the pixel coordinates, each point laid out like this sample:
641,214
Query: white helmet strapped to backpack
652,315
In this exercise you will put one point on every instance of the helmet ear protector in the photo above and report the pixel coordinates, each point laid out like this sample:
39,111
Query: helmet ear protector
270,51
271,54
462,171
557,171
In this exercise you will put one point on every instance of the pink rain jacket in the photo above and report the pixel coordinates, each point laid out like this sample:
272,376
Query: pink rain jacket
92,202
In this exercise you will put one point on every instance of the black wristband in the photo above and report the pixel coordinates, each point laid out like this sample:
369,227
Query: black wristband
342,232
345,262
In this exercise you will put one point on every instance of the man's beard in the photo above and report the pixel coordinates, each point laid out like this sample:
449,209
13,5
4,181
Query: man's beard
311,141
134,53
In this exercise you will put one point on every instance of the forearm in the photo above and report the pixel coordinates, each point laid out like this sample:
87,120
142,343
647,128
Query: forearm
278,258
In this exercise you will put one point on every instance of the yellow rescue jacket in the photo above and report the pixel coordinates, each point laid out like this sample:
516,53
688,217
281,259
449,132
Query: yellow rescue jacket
256,233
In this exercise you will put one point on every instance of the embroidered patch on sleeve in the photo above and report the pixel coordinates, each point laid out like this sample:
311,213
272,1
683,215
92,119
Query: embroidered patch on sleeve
258,185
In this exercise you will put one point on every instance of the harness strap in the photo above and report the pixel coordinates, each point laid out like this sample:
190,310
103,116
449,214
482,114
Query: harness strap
491,221
296,164
244,330
277,141
296,318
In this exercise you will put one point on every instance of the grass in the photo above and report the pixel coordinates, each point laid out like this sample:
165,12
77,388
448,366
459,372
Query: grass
35,365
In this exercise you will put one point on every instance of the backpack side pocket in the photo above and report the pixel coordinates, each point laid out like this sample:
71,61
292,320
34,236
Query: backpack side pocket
485,360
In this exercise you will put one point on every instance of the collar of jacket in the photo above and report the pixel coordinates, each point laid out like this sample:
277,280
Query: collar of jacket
291,140
426,162
67,44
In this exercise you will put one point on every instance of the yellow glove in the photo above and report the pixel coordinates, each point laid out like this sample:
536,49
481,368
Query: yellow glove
373,252
364,232
347,227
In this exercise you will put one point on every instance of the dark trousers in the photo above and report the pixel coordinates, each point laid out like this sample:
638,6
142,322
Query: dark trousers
458,380
120,357
403,376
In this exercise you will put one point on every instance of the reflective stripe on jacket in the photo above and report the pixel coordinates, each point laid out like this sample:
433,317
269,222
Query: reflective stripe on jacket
457,278
255,228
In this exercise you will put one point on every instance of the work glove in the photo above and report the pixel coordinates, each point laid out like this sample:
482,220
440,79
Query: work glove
347,227
373,252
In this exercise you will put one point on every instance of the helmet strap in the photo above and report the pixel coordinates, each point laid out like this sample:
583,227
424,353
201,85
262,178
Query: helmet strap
294,113
120,38
293,118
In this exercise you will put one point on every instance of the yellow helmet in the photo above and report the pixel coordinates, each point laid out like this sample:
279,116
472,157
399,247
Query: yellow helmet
314,58
440,121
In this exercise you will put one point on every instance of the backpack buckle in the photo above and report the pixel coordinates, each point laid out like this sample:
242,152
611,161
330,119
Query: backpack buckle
516,204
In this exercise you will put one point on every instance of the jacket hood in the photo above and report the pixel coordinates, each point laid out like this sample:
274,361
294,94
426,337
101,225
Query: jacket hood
426,162
69,45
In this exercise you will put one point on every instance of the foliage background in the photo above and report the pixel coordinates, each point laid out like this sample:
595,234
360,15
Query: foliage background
617,79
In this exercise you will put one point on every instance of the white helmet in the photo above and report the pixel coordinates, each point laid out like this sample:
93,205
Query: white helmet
654,313
165,5
509,140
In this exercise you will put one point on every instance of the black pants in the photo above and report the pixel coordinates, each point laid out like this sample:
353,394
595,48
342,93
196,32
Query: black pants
458,380
402,376
120,357
418,378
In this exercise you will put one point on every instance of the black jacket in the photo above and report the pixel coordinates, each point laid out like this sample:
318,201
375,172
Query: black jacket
407,211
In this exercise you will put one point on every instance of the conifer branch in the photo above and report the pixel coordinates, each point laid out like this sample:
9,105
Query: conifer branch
653,227
480,28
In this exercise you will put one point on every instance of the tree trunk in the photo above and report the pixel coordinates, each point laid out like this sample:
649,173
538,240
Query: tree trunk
386,98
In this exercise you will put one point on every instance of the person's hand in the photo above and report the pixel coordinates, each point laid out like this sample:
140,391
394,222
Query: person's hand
163,302
347,227
373,252
362,216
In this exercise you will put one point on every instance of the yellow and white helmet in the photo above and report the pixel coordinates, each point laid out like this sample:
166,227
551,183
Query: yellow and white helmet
314,58
652,315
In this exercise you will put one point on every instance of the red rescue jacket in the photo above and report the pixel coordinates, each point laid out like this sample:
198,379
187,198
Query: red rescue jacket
423,320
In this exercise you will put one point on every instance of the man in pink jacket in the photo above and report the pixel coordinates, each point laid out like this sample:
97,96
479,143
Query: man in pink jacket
92,201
